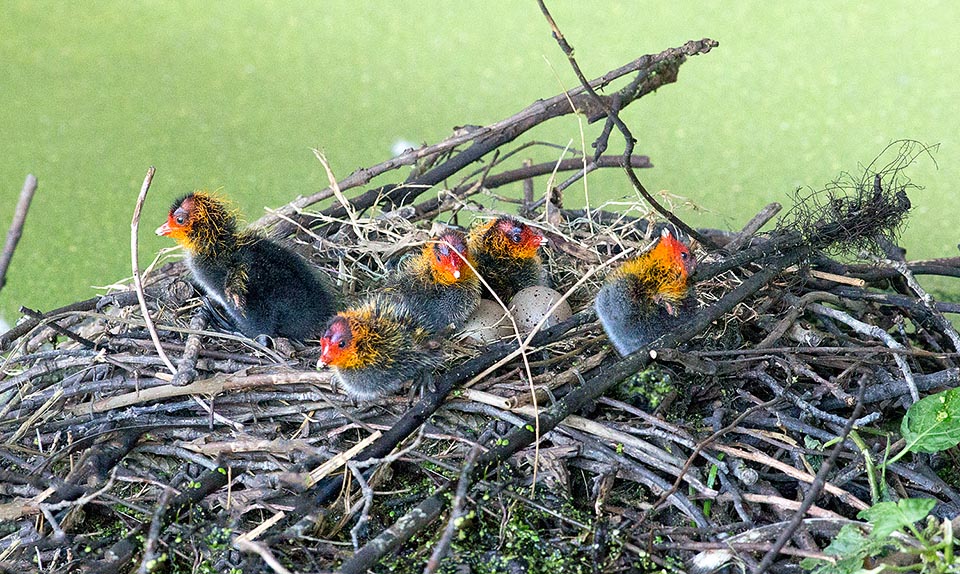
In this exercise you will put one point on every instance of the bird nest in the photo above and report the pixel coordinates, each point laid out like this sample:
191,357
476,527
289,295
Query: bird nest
543,452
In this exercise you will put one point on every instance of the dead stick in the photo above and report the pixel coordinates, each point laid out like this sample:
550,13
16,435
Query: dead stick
123,299
753,226
870,331
400,531
135,259
214,385
264,553
456,513
525,210
16,227
187,370
927,301
149,560
58,328
568,164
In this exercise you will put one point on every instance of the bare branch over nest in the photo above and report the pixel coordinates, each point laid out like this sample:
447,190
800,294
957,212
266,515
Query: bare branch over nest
655,71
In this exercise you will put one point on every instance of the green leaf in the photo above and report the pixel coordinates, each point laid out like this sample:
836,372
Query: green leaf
850,548
932,424
889,517
812,443
849,541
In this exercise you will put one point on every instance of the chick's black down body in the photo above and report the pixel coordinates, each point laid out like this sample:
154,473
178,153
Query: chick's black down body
436,306
630,322
281,295
507,276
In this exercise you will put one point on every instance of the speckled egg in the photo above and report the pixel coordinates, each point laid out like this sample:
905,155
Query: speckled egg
488,324
531,304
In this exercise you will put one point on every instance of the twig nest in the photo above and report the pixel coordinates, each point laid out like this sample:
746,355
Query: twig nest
488,324
530,305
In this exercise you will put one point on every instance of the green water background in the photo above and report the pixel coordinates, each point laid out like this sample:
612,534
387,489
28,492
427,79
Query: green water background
234,95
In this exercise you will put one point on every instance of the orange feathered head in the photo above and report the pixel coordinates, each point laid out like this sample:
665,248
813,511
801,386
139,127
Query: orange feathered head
448,258
506,236
675,251
662,271
198,221
337,346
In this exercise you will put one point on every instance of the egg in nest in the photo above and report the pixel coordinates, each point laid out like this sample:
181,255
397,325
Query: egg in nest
532,304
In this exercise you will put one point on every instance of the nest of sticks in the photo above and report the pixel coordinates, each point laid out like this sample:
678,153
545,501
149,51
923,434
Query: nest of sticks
245,458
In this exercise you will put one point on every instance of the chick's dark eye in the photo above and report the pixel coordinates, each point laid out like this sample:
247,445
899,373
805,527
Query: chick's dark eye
684,255
180,219
342,344
516,238
438,258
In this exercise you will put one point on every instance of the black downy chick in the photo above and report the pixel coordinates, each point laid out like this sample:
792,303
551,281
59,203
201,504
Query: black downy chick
647,295
506,254
264,288
438,285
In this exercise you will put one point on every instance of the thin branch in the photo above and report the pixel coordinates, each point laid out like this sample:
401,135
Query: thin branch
187,369
123,299
366,490
16,227
135,260
927,301
244,545
409,524
753,226
456,513
148,562
56,327
869,331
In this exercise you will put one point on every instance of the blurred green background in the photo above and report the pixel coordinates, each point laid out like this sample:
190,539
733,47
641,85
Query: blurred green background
234,96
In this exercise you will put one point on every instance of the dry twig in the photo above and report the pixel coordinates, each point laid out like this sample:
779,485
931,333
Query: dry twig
16,226
135,258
